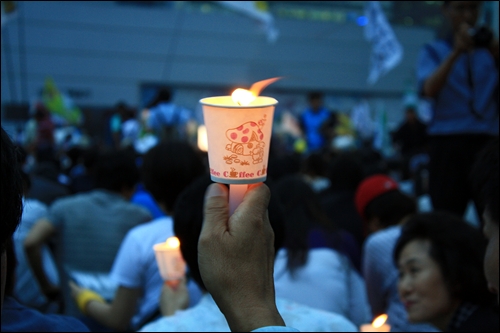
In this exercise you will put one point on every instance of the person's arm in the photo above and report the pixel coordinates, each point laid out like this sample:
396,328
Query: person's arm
116,315
462,43
236,258
33,243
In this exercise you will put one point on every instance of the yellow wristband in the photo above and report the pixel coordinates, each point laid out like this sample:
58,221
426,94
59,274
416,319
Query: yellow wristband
86,296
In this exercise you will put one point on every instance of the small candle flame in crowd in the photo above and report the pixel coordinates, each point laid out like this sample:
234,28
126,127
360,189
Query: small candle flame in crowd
173,242
379,321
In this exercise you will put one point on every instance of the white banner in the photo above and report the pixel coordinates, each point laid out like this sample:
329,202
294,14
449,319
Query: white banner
387,52
252,9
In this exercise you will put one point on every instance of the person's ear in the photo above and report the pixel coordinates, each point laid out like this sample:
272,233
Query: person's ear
373,225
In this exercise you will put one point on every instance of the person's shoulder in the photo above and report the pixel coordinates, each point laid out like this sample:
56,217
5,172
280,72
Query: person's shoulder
308,319
160,225
383,237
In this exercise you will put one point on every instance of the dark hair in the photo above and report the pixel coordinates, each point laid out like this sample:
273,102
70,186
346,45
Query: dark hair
168,168
115,170
280,166
315,164
390,208
12,190
484,178
301,212
457,247
26,178
188,220
345,172
163,95
314,95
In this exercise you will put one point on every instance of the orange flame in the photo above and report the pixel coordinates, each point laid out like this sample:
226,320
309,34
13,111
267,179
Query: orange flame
379,321
245,97
173,242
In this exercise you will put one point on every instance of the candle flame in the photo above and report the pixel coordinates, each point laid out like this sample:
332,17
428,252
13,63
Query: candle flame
257,87
245,97
242,96
379,321
173,242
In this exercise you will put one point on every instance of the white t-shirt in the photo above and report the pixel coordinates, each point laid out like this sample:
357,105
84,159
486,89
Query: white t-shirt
135,266
206,317
327,282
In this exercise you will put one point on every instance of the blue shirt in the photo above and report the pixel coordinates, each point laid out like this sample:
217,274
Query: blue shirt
143,198
18,318
312,122
466,104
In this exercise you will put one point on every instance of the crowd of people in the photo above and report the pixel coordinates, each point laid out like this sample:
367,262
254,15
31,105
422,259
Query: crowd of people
331,240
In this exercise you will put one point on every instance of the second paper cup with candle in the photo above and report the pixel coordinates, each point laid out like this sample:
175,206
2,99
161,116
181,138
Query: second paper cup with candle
170,262
239,129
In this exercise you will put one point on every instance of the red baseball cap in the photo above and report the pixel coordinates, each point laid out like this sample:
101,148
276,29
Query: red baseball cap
371,188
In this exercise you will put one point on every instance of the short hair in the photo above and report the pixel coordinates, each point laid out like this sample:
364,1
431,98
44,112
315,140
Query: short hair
345,171
168,168
314,95
188,221
457,247
315,164
115,170
12,190
390,208
484,179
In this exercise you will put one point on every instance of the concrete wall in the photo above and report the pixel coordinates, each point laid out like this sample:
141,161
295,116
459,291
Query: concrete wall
104,52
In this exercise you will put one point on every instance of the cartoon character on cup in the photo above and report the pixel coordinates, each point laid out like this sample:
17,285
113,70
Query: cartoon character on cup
246,140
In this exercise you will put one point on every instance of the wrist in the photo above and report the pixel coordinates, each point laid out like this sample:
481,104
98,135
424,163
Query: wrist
85,297
249,318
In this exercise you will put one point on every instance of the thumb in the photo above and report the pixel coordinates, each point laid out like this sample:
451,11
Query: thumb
216,209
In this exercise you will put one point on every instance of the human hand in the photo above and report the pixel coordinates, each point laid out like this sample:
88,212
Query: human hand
463,41
83,296
174,296
236,258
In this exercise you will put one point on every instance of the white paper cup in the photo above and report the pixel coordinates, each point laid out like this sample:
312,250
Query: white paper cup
238,138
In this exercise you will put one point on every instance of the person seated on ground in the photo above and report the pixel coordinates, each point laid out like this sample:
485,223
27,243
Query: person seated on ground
166,170
345,173
384,209
206,317
315,267
46,186
17,317
314,171
82,174
230,241
26,289
441,279
88,228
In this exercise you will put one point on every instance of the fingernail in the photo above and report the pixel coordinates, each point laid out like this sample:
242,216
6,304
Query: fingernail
214,190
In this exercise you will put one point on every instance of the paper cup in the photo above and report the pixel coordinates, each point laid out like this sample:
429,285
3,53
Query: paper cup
238,138
170,262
